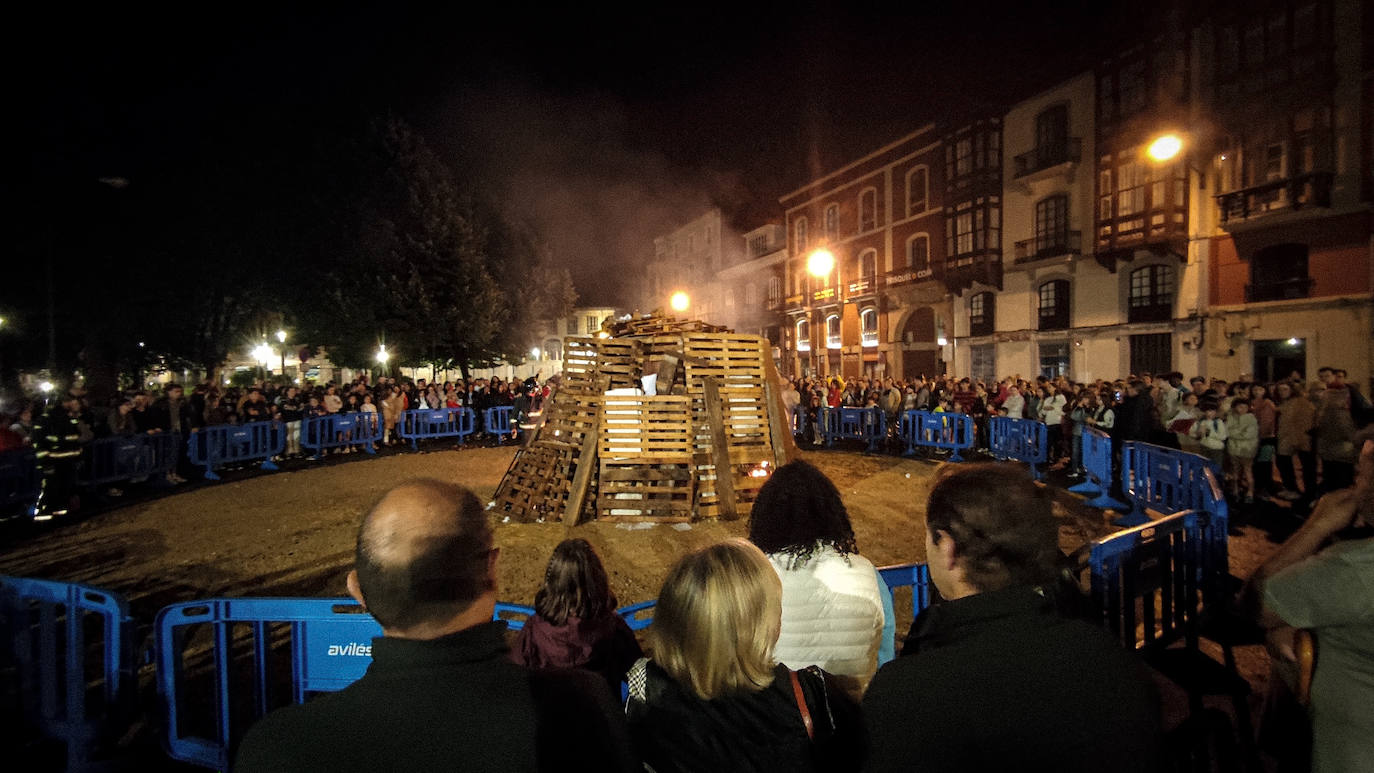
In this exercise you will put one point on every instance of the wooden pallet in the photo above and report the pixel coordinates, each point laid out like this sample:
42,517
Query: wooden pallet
635,426
535,485
645,489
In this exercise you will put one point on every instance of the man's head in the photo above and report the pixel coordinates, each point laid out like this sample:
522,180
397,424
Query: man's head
425,562
988,527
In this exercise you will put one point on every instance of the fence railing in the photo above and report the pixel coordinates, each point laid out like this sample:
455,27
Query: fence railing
866,424
130,457
342,430
214,447
1024,440
951,431
425,423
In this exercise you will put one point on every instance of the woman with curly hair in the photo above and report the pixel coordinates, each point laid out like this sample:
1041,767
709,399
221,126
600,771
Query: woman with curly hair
832,606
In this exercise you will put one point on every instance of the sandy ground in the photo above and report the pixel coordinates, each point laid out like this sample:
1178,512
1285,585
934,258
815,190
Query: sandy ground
292,533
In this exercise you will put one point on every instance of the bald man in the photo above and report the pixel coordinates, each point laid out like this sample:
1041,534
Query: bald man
441,692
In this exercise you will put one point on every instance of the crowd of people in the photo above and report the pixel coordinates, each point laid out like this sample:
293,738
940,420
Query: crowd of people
767,653
1251,429
61,430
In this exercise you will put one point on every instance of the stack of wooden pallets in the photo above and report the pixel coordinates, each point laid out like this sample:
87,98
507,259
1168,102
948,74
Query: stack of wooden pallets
700,448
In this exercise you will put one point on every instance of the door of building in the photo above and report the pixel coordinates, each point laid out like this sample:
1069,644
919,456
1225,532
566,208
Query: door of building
1277,359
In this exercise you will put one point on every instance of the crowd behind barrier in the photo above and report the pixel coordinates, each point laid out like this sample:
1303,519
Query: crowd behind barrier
74,448
1286,439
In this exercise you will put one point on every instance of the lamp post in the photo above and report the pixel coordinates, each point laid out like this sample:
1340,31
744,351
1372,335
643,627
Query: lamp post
1165,147
281,349
679,302
383,356
263,354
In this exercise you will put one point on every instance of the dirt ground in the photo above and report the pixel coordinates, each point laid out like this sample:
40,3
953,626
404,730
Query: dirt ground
292,533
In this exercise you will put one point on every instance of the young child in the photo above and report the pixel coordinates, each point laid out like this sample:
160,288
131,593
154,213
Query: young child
575,624
1210,432
1242,445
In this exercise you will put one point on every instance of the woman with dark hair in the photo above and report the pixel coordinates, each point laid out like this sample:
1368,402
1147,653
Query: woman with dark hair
575,624
832,606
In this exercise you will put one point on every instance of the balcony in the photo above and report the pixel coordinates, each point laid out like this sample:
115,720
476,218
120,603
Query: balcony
794,301
1281,290
1050,245
1291,193
1067,151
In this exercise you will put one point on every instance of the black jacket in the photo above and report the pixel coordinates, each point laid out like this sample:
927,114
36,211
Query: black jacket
998,681
677,732
454,703
160,416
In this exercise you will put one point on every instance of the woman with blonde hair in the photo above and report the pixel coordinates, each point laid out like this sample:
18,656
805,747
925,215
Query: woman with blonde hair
713,699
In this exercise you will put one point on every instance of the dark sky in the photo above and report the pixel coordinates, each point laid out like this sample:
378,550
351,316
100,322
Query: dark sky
603,126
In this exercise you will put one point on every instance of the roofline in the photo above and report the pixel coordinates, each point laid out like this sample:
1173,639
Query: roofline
852,164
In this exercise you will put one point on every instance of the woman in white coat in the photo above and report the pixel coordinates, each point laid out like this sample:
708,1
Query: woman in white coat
832,605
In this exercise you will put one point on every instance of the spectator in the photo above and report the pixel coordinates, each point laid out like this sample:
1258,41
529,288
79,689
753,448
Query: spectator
575,624
713,699
992,678
1266,415
1340,410
1182,420
331,402
393,404
1327,590
1135,418
1296,423
832,606
441,692
23,423
121,419
1242,445
292,414
1015,405
1210,432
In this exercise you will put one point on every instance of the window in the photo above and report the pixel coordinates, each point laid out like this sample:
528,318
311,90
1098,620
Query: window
918,252
980,314
800,232
832,221
570,326
1132,84
774,290
1130,189
758,245
553,349
963,156
1054,360
1054,305
832,331
1151,296
1051,133
1279,272
1052,225
591,324
1152,353
868,210
917,190
962,241
983,363
803,335
868,267
869,322
751,295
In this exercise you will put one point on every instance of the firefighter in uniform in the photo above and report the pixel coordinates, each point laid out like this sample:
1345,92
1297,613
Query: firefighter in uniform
60,435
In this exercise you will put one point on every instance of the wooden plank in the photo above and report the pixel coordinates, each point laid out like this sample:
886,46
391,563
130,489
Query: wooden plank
775,425
720,455
586,463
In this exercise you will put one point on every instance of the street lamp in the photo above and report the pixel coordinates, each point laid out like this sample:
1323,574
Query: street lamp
382,355
281,339
263,354
1165,147
679,301
820,263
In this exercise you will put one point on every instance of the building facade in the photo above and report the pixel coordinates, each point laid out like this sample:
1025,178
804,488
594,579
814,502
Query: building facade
751,288
880,308
689,259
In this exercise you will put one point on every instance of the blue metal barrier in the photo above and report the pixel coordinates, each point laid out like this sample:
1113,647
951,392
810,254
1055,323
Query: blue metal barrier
1143,581
228,443
131,457
1214,540
1161,479
639,616
915,576
330,648
20,483
867,424
497,421
1024,440
424,423
47,629
342,430
952,431
1097,466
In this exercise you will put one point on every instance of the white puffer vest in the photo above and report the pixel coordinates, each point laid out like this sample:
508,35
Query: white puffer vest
832,616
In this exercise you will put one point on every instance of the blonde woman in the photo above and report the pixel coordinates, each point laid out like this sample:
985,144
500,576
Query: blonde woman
713,699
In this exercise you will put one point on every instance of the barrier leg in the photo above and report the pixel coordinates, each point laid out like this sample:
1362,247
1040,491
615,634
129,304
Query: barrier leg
1087,488
268,464
1133,517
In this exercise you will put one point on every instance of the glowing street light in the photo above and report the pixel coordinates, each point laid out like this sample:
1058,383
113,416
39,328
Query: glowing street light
1165,147
679,301
820,263
262,353
281,336
45,387
534,353
382,355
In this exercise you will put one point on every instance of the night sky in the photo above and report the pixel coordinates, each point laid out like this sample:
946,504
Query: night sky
603,127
